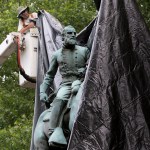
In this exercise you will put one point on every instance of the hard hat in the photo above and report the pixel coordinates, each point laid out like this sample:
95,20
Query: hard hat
21,9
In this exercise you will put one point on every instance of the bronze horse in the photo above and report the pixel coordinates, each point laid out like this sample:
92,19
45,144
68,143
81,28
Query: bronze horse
41,134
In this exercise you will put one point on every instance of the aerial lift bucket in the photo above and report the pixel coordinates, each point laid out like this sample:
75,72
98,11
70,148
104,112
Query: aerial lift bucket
28,53
28,57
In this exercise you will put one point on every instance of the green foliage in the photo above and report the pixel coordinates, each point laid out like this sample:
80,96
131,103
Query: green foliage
16,107
16,103
12,95
17,136
145,9
77,13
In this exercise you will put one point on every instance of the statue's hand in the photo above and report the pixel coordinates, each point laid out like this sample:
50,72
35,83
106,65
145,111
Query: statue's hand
43,97
75,86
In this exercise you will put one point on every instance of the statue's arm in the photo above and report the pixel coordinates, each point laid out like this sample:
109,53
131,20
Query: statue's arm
86,54
49,76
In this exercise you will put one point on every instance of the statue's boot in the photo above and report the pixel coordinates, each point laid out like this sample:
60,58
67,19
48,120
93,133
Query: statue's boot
57,108
57,138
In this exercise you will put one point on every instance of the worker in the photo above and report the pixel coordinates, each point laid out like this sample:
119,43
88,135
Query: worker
27,42
26,20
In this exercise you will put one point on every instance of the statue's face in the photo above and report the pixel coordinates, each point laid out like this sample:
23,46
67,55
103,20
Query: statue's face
69,36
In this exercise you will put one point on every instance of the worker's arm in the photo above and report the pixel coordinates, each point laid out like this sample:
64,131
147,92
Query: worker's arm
31,25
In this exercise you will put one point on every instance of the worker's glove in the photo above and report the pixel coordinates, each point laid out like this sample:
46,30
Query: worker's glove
43,97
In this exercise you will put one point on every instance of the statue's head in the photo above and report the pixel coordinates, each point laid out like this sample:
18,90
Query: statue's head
69,36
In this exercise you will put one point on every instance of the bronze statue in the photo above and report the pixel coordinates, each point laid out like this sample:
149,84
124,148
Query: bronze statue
71,60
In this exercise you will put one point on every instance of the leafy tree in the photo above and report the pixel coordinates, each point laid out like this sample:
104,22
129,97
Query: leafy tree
17,136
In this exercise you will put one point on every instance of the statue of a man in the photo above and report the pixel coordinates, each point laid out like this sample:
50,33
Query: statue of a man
71,60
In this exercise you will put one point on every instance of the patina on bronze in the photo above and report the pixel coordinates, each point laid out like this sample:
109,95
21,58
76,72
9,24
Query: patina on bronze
71,60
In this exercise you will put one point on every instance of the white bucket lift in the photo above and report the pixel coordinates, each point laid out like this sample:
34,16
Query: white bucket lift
28,55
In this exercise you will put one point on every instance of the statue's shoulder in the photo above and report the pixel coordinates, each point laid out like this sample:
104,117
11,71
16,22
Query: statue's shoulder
84,51
81,48
57,52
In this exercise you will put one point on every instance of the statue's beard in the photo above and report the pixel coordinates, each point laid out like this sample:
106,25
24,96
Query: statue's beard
69,42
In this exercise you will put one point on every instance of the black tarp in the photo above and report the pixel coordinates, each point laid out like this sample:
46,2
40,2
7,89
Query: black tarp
97,4
114,113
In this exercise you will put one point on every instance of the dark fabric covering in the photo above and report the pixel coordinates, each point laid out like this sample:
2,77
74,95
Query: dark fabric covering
114,113
83,36
50,40
97,3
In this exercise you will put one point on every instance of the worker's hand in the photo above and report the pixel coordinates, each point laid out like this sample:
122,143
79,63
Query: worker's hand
16,39
22,31
43,97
